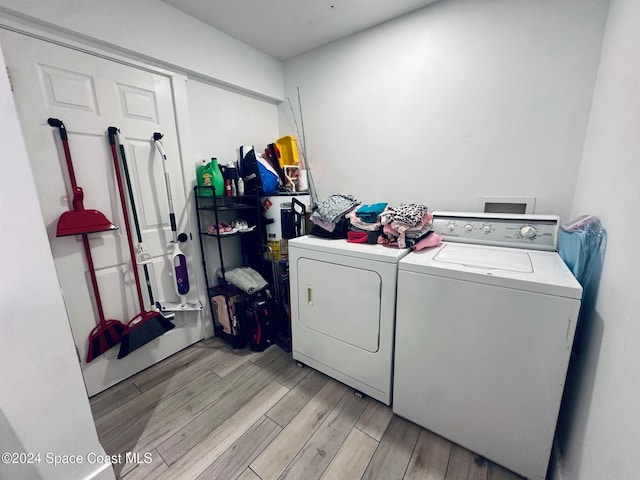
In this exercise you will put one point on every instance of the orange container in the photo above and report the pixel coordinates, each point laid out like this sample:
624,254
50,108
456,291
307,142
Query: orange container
288,147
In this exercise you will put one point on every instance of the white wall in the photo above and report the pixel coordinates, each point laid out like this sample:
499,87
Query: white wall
600,438
153,30
43,402
221,121
458,100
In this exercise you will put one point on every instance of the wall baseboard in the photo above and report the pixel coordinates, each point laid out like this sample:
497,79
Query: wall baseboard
556,472
104,472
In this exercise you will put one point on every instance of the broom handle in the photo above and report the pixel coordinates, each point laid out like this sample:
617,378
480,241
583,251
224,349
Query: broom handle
125,214
136,223
78,194
94,280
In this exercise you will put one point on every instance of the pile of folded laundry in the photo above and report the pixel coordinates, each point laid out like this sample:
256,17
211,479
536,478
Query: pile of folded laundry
365,225
408,225
329,217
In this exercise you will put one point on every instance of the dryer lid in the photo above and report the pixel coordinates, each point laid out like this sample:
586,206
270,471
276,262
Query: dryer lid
378,253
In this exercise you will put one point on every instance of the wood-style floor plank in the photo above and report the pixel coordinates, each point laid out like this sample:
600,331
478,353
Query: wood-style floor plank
496,472
172,366
146,469
465,465
154,413
238,456
323,445
177,445
394,452
112,398
287,408
353,457
267,356
430,458
227,359
209,449
281,365
177,380
138,436
275,458
248,474
211,412
375,419
154,435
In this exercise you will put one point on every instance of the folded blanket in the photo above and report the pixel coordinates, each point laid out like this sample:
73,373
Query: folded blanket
245,278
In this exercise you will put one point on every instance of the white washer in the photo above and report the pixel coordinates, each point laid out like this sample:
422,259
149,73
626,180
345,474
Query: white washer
484,334
343,298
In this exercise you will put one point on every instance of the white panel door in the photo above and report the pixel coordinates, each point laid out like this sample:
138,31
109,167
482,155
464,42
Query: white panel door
89,94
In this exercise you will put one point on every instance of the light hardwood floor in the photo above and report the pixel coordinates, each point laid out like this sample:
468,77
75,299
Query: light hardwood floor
212,413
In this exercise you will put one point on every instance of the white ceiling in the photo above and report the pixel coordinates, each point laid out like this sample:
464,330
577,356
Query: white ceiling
285,29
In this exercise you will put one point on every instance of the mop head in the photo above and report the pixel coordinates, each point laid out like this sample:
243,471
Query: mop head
151,326
166,307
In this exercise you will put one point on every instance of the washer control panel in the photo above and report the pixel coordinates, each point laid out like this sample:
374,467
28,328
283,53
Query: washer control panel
535,232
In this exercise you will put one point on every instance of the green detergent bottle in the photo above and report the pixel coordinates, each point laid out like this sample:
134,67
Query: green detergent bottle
216,177
208,174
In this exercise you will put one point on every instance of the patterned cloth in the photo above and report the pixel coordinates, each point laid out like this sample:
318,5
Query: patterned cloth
408,213
333,207
404,224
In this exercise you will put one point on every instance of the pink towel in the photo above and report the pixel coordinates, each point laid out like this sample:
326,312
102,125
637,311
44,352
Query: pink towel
221,313
431,240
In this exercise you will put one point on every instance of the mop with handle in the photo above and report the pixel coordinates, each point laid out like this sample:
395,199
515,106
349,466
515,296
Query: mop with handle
146,325
178,259
142,256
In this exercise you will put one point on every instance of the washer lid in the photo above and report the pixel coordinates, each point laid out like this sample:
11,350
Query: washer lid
500,266
378,253
486,257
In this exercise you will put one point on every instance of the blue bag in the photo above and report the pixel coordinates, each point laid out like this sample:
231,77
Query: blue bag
258,175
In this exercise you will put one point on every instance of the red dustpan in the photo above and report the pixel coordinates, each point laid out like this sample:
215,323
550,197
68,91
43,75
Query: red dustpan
108,333
77,221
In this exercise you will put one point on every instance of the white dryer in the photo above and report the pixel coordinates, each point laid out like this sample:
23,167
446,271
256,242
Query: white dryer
343,298
484,331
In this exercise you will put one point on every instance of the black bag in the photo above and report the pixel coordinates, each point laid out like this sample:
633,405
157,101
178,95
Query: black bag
249,170
258,322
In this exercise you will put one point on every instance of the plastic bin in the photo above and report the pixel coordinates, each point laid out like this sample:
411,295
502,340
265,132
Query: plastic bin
288,147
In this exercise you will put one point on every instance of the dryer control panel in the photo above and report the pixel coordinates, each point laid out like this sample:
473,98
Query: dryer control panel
534,232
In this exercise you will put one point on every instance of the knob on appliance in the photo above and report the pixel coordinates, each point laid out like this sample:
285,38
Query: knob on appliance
528,231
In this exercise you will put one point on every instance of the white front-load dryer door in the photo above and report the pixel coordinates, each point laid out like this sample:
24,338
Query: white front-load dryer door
341,302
